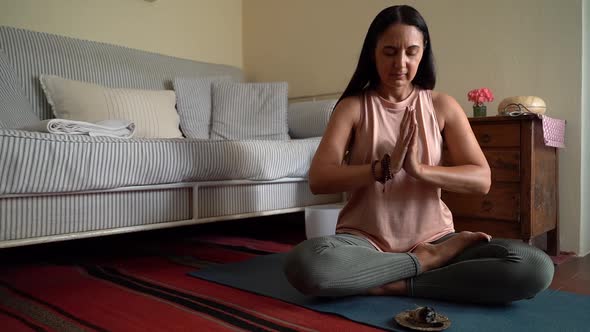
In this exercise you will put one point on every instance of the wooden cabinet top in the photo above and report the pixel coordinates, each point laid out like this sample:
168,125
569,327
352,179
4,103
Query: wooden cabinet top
499,118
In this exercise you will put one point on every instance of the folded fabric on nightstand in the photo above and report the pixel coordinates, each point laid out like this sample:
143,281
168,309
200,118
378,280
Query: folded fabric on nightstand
553,131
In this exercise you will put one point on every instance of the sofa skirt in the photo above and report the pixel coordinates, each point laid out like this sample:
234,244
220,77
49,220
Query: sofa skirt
54,217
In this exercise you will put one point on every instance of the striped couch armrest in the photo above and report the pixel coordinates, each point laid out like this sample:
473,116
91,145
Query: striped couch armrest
309,118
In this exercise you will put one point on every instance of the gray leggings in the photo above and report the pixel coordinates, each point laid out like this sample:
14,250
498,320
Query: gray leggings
499,271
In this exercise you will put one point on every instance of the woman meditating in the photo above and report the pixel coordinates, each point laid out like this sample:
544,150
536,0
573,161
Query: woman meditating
395,235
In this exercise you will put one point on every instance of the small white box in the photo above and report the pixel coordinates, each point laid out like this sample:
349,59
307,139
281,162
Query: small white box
321,220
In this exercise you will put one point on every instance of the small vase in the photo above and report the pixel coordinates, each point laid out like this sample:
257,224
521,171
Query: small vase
479,111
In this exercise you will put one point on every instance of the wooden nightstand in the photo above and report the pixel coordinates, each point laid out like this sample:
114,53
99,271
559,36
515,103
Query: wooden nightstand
523,200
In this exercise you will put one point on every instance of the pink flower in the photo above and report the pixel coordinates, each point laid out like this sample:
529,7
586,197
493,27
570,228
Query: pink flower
480,96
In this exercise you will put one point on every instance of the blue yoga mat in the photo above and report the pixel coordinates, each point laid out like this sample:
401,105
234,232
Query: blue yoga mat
548,311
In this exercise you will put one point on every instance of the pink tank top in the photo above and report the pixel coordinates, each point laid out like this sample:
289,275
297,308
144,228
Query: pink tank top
405,212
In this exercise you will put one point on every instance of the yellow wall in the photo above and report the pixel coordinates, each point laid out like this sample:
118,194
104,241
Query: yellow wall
526,47
204,30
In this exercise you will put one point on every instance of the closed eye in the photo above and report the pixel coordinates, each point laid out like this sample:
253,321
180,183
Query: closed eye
389,51
413,50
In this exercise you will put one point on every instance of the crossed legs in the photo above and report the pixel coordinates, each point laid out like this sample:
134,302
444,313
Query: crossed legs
463,267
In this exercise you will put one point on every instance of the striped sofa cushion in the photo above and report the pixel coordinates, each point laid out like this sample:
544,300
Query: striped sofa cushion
249,111
193,101
33,162
15,110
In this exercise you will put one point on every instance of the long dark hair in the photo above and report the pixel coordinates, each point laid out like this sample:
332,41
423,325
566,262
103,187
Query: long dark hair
366,77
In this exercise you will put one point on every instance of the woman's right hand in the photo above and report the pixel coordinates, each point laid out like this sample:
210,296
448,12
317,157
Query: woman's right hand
407,128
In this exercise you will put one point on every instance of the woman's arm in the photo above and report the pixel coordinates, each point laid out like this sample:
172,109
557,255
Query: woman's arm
327,174
471,172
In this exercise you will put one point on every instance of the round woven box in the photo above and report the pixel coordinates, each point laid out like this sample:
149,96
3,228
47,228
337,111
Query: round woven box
531,104
406,319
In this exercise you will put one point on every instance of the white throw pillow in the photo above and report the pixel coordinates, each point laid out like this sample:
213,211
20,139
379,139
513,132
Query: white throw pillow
249,111
152,111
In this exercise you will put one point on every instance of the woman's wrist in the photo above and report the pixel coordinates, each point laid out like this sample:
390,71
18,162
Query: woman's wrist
421,172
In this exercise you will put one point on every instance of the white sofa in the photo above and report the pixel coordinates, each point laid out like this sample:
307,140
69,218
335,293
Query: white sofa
59,187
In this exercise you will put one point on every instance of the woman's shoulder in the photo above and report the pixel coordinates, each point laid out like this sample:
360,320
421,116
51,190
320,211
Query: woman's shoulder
446,107
442,100
443,103
349,107
350,102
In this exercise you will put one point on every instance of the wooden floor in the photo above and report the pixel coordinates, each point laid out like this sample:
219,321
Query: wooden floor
573,276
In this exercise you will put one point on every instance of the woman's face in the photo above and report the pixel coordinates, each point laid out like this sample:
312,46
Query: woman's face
398,54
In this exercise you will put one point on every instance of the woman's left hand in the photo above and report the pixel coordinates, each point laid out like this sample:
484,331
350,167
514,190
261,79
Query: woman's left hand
412,163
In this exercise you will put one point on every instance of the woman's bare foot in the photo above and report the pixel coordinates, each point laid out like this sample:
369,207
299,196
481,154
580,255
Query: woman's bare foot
394,288
432,256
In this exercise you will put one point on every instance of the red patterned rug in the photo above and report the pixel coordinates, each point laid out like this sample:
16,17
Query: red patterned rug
139,282
105,285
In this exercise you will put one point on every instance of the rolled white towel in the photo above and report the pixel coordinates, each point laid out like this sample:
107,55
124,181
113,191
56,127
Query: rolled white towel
110,128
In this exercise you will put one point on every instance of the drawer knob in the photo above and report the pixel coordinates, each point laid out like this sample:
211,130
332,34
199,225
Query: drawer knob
486,138
487,206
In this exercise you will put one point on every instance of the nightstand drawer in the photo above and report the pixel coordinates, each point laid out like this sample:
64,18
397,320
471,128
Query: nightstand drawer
501,203
497,135
504,164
